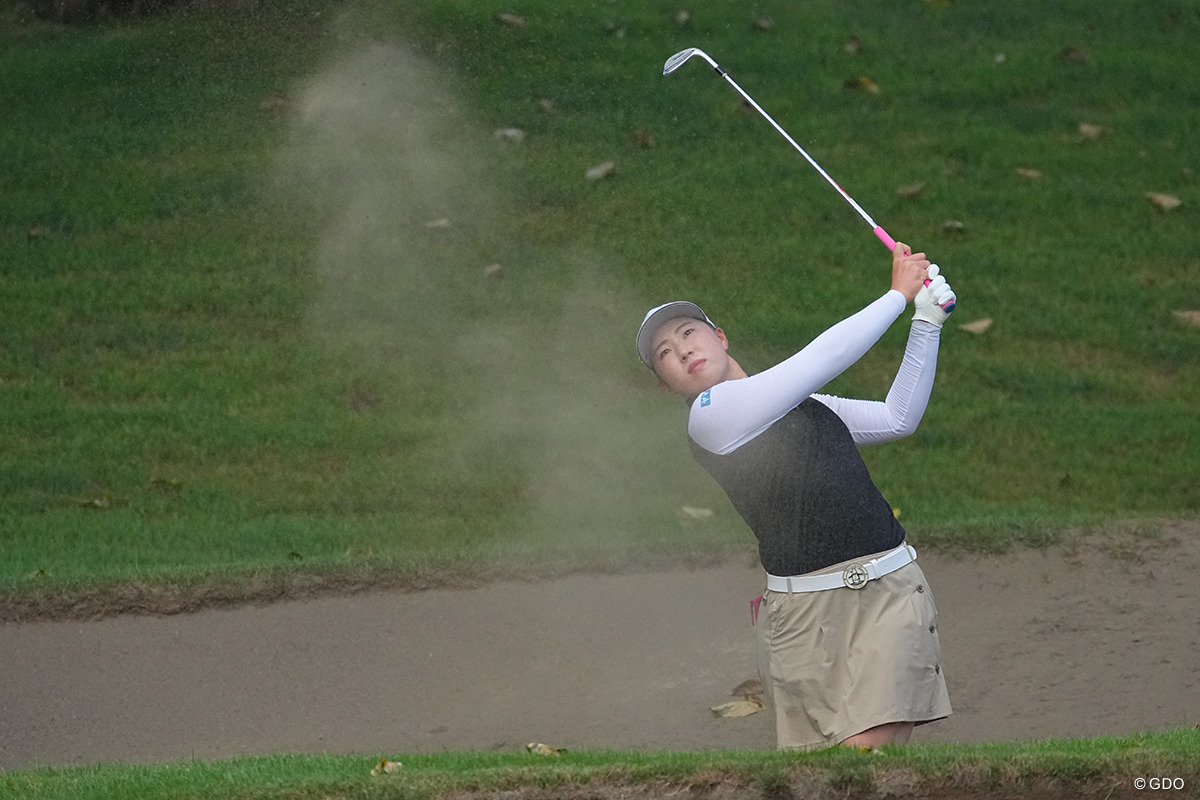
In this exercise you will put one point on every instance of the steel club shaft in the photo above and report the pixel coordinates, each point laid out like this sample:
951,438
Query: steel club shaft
679,59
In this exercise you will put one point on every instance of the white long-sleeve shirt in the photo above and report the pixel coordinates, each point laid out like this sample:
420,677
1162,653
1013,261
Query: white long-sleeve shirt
734,412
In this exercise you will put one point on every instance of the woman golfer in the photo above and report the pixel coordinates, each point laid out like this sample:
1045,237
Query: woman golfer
848,645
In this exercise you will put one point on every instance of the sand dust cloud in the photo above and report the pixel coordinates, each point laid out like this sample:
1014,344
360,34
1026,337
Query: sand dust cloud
417,281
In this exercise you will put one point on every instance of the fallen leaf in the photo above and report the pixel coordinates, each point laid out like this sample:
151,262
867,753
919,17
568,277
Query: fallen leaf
681,18
863,84
977,326
643,138
1167,202
512,20
763,23
1000,58
613,29
442,222
853,46
103,501
510,134
601,171
359,398
738,708
166,485
953,226
1028,174
1188,317
1092,132
1072,55
691,512
547,105
539,749
911,190
493,271
386,767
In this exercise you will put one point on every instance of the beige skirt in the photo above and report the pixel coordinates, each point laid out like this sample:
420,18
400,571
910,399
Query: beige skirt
839,662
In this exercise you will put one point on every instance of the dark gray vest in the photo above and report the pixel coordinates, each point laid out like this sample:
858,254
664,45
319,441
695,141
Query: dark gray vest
804,490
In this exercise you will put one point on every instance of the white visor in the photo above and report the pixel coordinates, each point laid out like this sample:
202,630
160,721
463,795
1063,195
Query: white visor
656,317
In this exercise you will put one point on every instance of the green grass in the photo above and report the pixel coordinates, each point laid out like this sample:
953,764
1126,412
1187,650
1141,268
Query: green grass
1048,768
235,346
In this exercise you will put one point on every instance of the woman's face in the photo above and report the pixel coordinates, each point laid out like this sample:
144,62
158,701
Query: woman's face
689,356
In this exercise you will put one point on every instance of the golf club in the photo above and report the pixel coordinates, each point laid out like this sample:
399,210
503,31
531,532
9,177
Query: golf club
679,59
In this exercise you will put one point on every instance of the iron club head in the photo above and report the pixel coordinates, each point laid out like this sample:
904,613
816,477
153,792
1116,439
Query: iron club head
676,61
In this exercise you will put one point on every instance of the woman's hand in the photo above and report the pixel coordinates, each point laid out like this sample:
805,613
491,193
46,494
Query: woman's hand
909,271
935,301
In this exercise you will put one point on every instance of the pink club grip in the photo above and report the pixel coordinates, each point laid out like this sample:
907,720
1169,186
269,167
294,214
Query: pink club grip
888,241
890,244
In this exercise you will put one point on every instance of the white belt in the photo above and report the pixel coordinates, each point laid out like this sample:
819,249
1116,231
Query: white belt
855,576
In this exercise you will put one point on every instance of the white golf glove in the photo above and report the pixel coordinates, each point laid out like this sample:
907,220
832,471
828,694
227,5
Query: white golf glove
932,299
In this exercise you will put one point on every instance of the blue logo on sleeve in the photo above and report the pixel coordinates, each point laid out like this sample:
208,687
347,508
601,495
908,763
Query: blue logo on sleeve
706,398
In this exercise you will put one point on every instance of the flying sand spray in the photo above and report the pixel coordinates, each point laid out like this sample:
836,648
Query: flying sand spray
676,61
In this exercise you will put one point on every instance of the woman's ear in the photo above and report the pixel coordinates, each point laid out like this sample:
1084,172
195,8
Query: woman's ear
721,335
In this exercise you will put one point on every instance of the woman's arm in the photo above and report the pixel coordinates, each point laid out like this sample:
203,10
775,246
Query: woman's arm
872,421
732,413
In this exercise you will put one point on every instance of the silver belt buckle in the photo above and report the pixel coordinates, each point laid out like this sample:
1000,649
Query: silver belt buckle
855,576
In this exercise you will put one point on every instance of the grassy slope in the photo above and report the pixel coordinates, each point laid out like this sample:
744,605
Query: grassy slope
1085,366
232,344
